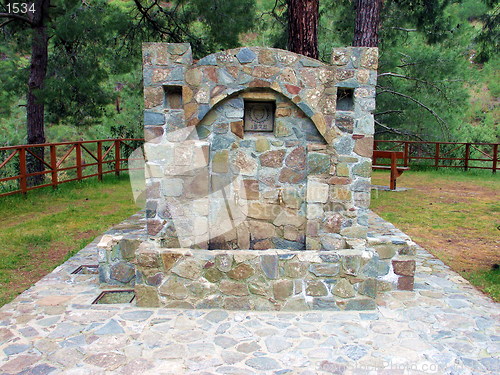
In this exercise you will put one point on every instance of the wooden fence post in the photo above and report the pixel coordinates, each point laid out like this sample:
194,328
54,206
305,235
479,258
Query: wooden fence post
467,156
23,181
436,156
117,157
407,153
495,157
374,159
53,165
78,148
99,160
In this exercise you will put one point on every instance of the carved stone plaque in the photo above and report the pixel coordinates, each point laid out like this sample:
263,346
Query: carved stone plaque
259,116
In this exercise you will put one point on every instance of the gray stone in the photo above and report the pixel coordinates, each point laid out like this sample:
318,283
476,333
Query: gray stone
325,304
276,344
269,265
16,349
281,243
351,264
245,56
355,352
216,316
262,363
368,288
316,288
361,304
136,316
188,269
123,272
110,328
41,369
153,118
318,163
225,341
224,262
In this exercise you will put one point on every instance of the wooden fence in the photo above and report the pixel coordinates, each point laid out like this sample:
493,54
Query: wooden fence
63,162
444,154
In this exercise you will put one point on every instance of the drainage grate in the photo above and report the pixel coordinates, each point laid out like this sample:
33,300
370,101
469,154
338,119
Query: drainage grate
89,269
115,296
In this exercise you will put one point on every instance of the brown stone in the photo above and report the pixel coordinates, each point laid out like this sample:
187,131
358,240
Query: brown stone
237,303
259,83
273,159
343,289
250,189
364,147
343,74
405,283
146,296
339,181
292,89
266,57
263,245
297,158
190,109
237,128
262,211
333,223
153,96
148,259
241,272
404,267
288,175
233,288
173,288
153,133
169,260
197,187
261,230
282,289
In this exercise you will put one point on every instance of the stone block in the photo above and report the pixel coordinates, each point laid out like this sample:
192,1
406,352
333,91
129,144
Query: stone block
213,275
369,288
386,251
351,264
282,289
224,262
316,288
250,189
272,159
404,267
317,191
174,288
363,169
318,163
187,268
325,269
237,303
289,218
146,296
295,270
220,162
327,303
123,272
405,282
261,144
343,289
269,265
364,146
237,128
361,304
241,272
261,230
233,288
290,176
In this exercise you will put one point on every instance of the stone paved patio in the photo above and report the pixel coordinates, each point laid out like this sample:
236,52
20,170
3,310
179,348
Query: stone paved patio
444,327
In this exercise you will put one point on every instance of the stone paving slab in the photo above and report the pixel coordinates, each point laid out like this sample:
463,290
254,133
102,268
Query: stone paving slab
444,327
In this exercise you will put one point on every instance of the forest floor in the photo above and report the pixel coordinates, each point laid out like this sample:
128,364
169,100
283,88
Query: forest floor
452,214
45,229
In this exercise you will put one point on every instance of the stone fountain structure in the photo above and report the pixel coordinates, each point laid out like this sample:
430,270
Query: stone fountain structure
258,165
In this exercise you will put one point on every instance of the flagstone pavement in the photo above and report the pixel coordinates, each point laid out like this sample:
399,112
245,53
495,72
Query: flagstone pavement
444,327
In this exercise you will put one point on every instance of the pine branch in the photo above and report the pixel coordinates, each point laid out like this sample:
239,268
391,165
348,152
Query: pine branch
388,129
395,75
16,17
430,110
388,112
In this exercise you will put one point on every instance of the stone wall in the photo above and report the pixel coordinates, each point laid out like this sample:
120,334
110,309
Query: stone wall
194,129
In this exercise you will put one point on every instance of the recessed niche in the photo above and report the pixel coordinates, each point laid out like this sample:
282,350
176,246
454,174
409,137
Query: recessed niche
345,99
259,116
173,97
115,296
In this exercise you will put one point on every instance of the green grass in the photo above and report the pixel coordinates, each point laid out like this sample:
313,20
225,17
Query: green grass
47,227
451,213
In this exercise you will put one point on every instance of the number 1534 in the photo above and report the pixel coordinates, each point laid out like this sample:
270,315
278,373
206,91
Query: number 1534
20,8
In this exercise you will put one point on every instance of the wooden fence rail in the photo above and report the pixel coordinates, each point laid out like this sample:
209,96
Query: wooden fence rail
63,162
444,154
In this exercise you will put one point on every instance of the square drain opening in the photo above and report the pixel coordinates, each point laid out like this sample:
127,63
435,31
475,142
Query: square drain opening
115,296
88,269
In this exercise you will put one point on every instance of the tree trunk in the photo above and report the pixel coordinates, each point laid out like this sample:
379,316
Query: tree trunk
303,27
367,23
35,108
